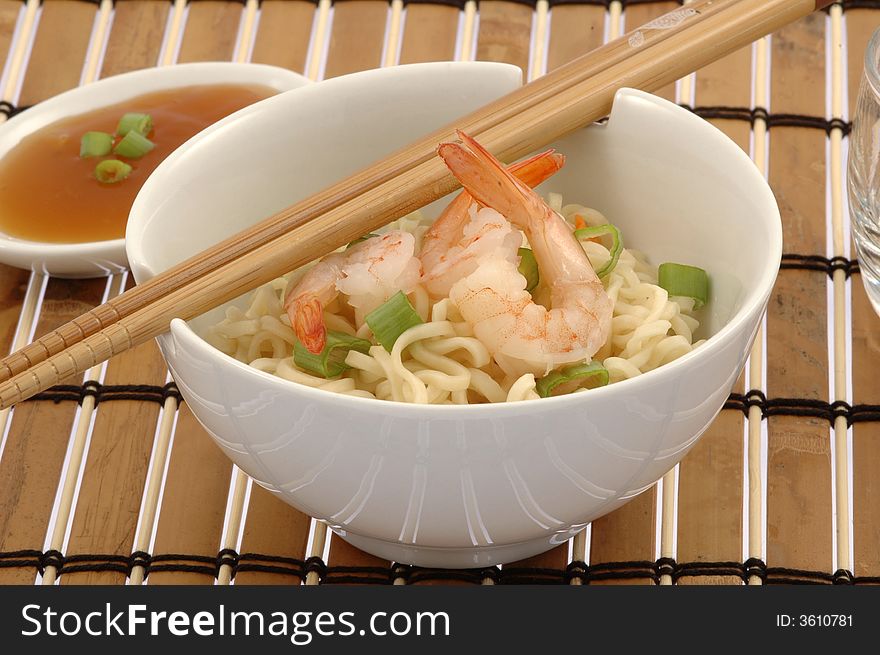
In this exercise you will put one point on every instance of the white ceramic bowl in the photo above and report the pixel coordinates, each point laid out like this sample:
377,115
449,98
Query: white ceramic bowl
449,485
93,259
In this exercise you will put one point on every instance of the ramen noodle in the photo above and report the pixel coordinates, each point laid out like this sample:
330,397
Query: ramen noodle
441,360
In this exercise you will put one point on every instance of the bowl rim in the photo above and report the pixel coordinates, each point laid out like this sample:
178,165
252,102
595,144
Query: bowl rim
112,251
754,303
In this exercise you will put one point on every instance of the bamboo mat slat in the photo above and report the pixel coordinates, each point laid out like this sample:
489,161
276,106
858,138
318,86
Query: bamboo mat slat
35,446
211,31
866,436
37,439
202,520
10,11
116,469
505,32
512,33
727,82
136,38
283,35
859,25
13,285
639,14
193,501
799,528
710,507
273,534
429,33
59,49
531,569
106,513
630,533
865,353
357,36
574,30
275,529
109,499
194,498
355,566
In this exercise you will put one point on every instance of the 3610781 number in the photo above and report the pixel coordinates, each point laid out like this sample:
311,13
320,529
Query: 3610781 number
825,620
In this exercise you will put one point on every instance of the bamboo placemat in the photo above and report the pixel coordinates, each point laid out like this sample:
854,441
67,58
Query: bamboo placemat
110,479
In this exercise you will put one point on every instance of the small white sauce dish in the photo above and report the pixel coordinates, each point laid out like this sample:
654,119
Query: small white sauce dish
464,486
99,258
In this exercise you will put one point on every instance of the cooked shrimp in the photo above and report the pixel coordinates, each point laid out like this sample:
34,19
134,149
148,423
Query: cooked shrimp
453,246
485,235
369,272
522,335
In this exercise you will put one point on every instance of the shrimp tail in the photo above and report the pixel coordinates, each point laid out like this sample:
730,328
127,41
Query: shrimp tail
307,318
484,177
448,228
538,168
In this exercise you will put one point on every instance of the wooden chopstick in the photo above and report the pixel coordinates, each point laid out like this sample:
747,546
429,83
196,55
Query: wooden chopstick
523,121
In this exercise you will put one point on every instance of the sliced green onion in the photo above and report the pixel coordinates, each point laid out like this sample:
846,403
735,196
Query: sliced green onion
133,145
112,170
684,280
528,268
616,243
132,122
95,144
579,374
391,319
330,362
361,240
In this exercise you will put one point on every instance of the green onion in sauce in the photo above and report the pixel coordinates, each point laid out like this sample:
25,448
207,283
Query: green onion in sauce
133,145
95,144
133,122
110,171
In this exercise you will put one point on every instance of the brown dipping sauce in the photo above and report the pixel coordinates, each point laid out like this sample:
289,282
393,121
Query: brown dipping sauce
49,193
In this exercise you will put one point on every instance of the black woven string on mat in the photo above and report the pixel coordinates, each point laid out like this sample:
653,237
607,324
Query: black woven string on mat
171,562
9,110
626,3
640,570
458,4
857,4
819,263
530,3
860,413
108,392
600,3
771,120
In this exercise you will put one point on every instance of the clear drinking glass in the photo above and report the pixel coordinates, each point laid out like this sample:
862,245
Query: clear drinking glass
864,173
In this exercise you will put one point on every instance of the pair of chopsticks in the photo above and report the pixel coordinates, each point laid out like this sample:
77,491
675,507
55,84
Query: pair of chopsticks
521,122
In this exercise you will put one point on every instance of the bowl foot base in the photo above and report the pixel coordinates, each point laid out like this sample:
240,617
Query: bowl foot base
452,558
